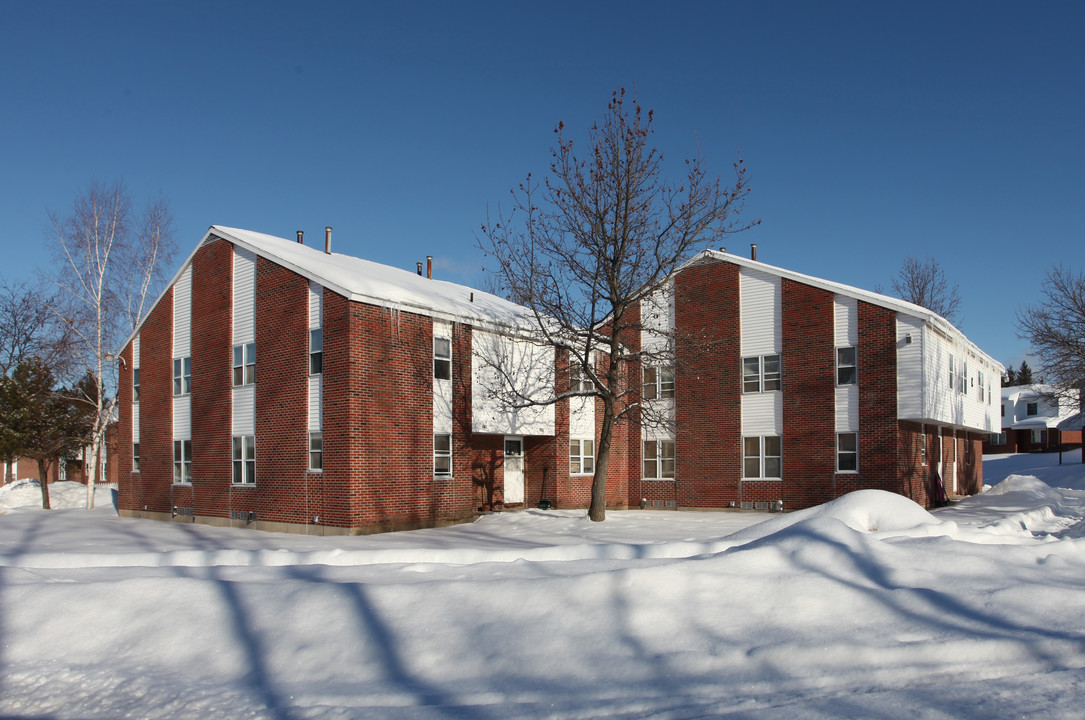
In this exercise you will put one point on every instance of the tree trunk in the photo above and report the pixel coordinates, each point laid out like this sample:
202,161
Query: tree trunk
597,512
43,475
90,468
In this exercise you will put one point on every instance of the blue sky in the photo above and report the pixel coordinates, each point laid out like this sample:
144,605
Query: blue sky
871,130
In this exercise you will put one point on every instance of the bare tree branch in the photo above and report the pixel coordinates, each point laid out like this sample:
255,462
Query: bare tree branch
1056,330
108,268
603,231
924,283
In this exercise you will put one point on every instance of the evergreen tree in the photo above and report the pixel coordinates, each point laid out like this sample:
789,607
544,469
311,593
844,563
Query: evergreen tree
1024,374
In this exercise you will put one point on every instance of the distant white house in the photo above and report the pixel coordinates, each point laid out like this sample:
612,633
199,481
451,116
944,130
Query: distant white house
1034,419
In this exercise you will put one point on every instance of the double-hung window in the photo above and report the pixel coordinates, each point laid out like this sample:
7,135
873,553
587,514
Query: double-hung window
245,364
316,351
135,457
244,462
182,461
316,451
581,457
442,454
659,459
1032,408
762,457
952,372
135,385
979,381
761,374
442,358
847,371
847,452
182,376
578,381
658,382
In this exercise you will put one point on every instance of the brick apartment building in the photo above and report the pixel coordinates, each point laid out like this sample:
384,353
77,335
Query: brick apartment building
284,387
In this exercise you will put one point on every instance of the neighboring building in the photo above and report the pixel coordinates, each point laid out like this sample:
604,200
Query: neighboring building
282,387
789,391
1035,418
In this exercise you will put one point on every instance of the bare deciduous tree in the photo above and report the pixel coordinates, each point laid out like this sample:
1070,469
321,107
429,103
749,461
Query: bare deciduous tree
1056,330
108,268
607,232
924,283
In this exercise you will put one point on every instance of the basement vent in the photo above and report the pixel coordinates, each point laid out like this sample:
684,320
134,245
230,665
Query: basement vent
657,503
182,511
672,504
747,505
761,506
243,515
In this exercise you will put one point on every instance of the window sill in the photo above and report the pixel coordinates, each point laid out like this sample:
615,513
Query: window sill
768,479
242,485
847,472
312,471
657,479
582,474
444,477
183,484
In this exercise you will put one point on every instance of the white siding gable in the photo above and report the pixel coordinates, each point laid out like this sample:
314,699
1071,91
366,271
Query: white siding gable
182,314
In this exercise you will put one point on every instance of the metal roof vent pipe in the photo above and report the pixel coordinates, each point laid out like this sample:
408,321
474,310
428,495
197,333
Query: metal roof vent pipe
300,234
429,267
753,251
419,269
328,240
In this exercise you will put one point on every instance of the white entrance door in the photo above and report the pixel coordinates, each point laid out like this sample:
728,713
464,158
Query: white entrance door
951,471
514,469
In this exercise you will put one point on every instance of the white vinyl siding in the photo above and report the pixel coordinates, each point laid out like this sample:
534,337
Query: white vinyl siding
181,362
244,290
244,333
316,381
135,402
532,366
182,314
759,313
442,387
846,335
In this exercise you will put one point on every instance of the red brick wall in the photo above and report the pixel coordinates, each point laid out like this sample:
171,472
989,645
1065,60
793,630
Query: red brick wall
212,378
708,444
880,459
809,398
153,485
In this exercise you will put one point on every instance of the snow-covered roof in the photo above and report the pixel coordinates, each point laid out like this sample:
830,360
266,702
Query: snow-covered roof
369,282
890,303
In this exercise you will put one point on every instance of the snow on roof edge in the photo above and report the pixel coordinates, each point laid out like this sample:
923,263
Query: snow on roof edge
890,303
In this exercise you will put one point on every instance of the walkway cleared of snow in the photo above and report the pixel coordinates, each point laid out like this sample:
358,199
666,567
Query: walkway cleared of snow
868,606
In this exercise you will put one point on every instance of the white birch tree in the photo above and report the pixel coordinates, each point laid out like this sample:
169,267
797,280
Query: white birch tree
603,232
108,267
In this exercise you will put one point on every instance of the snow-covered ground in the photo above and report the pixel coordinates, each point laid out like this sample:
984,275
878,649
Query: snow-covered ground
868,607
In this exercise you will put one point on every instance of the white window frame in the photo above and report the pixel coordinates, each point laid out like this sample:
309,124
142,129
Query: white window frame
578,380
316,452
657,382
135,386
952,373
998,438
851,452
581,456
979,381
442,358
1038,437
316,351
762,458
442,454
182,462
244,364
182,376
243,464
135,457
847,368
766,379
660,453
